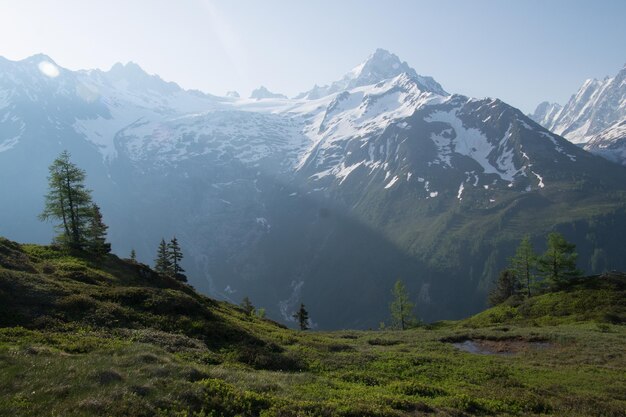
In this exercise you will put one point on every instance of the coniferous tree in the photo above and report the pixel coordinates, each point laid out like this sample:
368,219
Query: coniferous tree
69,201
133,255
558,263
247,306
162,262
175,255
523,264
302,316
401,308
96,233
506,286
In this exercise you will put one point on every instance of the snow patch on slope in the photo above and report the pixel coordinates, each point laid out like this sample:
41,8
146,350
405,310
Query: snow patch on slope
558,147
473,143
540,178
392,182
9,143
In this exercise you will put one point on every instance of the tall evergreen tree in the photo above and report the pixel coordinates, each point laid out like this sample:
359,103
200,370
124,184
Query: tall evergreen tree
523,264
558,263
506,286
133,255
401,308
302,316
96,233
68,200
175,255
247,306
162,262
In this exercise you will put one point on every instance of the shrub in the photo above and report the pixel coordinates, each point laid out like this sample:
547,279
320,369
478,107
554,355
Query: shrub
383,342
108,377
412,388
77,303
224,399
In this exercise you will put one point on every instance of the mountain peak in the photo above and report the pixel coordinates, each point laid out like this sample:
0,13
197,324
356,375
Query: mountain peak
545,112
130,68
593,108
43,64
263,92
379,66
37,58
137,78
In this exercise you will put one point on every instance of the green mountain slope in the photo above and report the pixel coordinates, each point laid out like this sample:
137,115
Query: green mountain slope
82,337
46,288
596,298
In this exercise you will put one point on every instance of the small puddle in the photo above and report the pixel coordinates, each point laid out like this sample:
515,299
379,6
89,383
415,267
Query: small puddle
499,347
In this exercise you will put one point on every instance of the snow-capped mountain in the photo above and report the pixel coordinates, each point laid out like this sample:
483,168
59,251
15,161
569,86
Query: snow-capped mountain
610,143
93,104
262,92
381,65
379,175
598,105
546,113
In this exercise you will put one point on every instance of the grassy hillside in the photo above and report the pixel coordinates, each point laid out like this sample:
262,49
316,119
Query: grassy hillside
81,337
600,298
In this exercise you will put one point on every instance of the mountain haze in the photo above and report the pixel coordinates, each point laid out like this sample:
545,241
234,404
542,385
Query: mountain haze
326,198
592,118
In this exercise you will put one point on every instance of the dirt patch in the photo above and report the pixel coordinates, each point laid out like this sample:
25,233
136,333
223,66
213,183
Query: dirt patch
505,347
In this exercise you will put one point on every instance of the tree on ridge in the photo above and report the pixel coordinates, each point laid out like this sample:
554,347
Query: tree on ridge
302,317
401,307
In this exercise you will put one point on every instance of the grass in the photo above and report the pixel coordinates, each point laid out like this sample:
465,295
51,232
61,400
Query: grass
595,298
85,337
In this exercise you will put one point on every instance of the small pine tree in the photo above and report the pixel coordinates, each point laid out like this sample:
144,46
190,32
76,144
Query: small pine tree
133,255
247,306
175,255
96,234
260,313
401,308
506,286
523,264
558,263
302,316
162,262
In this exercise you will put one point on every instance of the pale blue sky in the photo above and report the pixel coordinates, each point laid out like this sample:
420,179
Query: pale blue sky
520,51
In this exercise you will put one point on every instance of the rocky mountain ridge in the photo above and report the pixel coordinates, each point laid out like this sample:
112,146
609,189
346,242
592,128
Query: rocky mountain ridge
289,200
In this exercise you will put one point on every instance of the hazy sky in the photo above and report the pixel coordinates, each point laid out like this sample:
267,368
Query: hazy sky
523,52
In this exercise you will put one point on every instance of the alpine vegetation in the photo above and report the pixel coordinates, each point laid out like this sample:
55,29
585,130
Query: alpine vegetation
381,168
168,260
378,244
69,202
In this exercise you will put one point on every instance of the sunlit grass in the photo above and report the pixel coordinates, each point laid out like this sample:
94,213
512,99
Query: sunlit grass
117,341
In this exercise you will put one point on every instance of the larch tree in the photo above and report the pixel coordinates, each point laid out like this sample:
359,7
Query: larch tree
162,263
175,255
558,263
96,234
507,285
302,317
69,201
523,264
247,306
401,307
